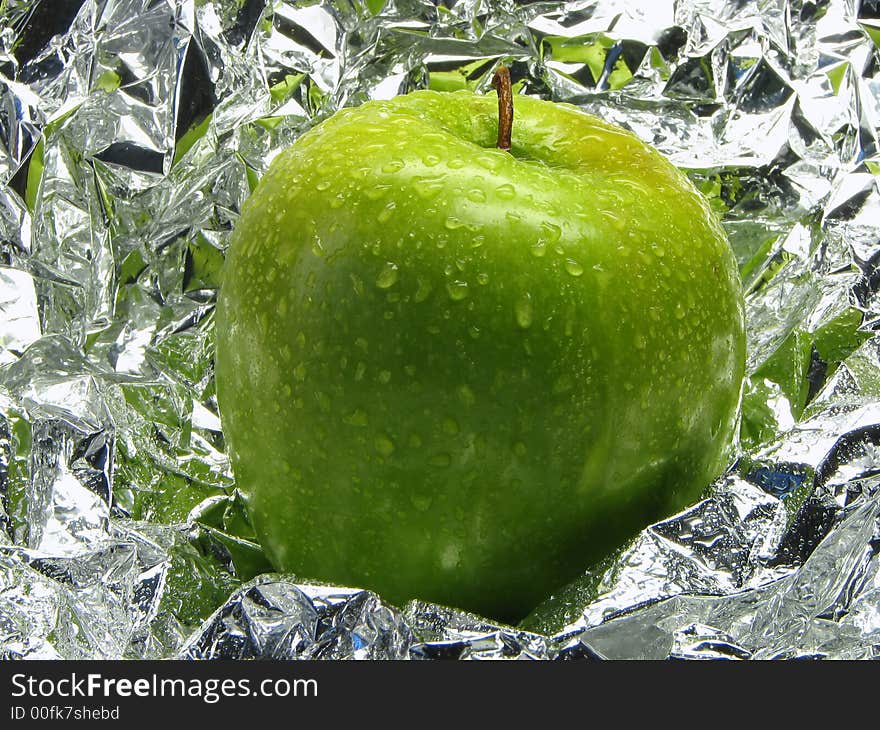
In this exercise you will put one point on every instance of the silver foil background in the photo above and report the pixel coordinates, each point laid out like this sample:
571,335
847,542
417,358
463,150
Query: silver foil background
133,130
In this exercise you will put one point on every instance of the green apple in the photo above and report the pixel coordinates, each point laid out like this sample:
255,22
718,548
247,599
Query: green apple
461,374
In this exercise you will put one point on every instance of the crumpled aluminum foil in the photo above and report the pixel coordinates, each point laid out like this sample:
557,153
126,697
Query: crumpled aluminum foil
133,130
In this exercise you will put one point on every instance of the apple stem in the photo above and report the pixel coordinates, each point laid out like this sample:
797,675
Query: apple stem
501,81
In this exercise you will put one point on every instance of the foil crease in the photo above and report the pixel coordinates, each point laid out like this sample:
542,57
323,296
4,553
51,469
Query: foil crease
132,131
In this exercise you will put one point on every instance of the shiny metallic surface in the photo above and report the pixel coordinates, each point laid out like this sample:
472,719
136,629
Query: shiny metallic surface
132,132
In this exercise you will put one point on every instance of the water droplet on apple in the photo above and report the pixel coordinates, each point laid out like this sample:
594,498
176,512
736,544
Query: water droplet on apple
450,558
358,417
490,162
393,166
474,332
358,285
422,502
539,248
573,267
384,377
429,187
384,445
523,311
376,191
641,342
386,212
457,290
388,276
482,278
423,290
551,232
616,221
322,185
430,160
452,223
476,195
456,163
299,372
505,191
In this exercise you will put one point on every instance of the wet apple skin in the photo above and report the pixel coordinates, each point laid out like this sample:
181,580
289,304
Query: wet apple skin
457,374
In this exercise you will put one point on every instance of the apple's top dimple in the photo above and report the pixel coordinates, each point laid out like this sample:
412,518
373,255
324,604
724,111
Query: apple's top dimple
559,138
